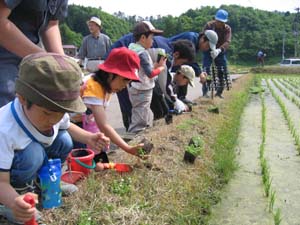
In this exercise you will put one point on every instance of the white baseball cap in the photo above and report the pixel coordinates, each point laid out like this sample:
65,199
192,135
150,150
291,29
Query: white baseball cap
95,20
212,38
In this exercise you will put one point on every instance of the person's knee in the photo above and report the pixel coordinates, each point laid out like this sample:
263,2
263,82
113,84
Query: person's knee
67,145
26,163
61,147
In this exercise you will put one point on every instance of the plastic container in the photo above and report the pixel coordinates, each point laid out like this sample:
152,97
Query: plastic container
29,199
81,160
50,176
89,123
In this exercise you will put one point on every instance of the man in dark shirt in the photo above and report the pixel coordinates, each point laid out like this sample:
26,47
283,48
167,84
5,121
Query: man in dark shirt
23,22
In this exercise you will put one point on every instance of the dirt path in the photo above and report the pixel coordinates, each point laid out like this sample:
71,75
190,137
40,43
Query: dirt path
283,158
243,201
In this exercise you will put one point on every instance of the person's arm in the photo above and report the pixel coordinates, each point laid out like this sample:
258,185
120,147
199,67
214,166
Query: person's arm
97,140
227,38
82,50
149,70
108,45
11,199
109,131
12,38
51,37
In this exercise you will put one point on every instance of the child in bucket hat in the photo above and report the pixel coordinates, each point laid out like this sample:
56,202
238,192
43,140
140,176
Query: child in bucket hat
118,70
36,126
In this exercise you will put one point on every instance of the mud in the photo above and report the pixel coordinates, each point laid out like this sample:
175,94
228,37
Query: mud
283,158
243,200
293,109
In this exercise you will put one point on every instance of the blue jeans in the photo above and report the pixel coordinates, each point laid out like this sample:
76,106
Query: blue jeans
28,161
221,66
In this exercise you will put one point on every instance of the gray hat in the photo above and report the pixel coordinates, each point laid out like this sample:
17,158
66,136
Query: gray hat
51,81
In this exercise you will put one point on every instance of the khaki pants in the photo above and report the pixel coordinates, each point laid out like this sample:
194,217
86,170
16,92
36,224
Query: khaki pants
142,115
92,65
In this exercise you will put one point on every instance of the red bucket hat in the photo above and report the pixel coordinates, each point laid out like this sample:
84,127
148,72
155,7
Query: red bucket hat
122,62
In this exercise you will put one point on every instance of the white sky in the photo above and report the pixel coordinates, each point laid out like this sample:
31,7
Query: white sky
169,7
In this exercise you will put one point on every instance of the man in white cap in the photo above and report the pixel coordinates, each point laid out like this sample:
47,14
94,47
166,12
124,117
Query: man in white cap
94,46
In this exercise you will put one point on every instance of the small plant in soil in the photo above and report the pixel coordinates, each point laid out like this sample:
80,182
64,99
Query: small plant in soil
272,201
256,90
277,217
121,187
196,141
85,219
214,109
193,149
146,149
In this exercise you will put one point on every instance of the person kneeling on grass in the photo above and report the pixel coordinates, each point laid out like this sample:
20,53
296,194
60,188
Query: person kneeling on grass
119,69
184,75
36,126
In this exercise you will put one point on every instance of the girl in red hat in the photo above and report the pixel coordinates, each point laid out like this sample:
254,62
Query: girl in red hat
119,69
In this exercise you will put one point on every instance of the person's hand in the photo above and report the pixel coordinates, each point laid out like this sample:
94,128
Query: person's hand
135,150
214,53
98,141
22,210
203,76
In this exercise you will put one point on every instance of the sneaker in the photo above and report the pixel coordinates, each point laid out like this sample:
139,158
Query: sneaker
128,136
67,189
206,96
219,95
188,102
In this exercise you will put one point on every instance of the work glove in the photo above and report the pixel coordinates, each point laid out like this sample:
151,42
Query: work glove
214,53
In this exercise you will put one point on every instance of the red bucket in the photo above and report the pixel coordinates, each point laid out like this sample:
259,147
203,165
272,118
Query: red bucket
81,160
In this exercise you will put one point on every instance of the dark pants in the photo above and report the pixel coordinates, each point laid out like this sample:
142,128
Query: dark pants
125,106
221,70
159,105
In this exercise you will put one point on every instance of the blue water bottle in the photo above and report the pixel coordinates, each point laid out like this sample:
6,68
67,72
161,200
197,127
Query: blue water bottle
50,174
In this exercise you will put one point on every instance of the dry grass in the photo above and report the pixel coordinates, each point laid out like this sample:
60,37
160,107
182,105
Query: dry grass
161,190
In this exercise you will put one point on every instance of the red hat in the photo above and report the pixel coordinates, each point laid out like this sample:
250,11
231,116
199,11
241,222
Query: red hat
122,62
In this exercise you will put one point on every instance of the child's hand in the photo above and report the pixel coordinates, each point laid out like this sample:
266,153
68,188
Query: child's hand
22,210
98,141
134,150
203,76
162,61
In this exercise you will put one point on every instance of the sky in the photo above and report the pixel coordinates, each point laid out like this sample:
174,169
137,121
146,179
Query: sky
146,8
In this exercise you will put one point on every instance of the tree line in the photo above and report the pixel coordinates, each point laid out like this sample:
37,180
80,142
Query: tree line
252,29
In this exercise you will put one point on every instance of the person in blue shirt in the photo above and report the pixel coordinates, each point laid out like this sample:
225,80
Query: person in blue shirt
261,58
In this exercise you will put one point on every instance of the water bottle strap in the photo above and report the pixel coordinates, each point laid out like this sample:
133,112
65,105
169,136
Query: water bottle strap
85,165
30,135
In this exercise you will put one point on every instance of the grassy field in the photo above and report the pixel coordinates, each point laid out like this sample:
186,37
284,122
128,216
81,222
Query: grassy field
163,189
